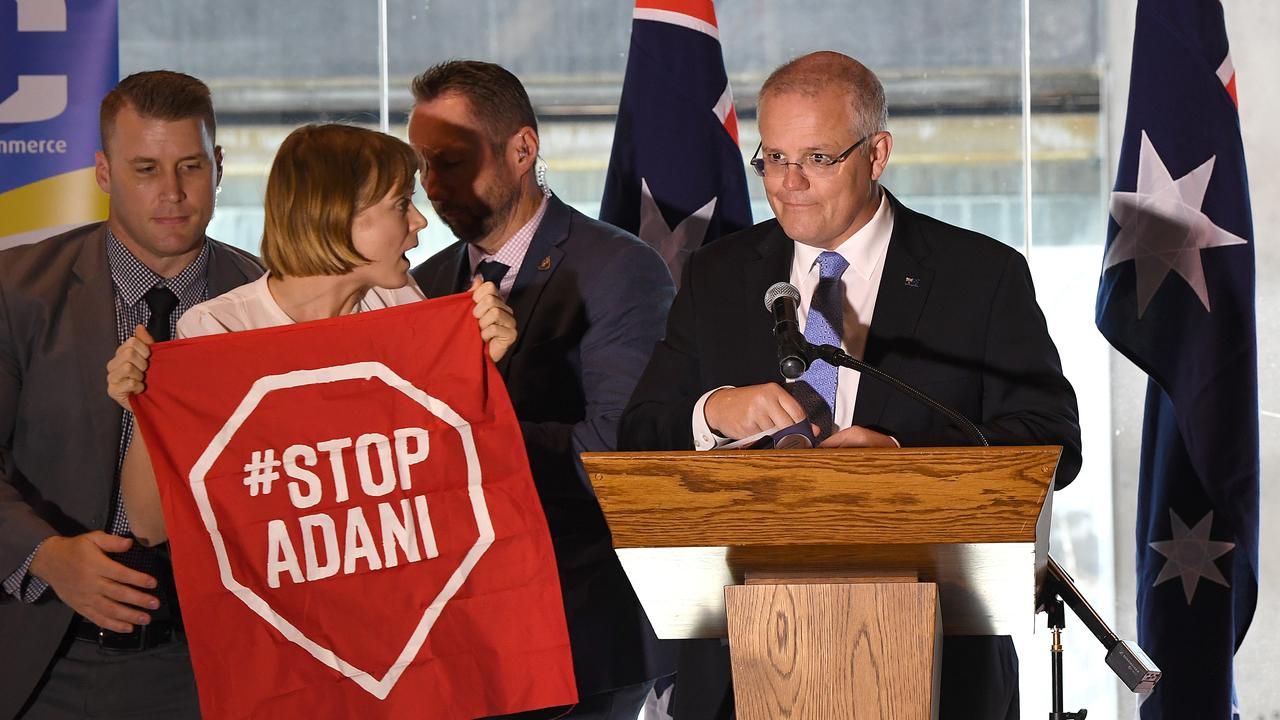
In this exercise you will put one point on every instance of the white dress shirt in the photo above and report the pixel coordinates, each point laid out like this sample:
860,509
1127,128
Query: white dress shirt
511,253
865,250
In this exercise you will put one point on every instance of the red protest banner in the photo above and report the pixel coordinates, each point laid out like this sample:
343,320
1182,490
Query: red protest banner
353,525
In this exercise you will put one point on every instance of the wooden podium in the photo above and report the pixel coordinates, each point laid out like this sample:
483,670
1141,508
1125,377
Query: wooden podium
832,572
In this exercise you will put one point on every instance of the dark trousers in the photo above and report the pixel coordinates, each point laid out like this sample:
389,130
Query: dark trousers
979,678
87,682
622,703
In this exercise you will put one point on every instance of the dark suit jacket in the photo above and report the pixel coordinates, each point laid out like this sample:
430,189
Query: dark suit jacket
955,315
589,301
59,432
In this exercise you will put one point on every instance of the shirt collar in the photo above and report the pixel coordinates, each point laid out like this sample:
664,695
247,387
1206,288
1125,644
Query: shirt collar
863,249
133,279
513,250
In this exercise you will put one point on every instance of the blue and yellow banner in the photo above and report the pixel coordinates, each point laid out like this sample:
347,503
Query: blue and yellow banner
58,58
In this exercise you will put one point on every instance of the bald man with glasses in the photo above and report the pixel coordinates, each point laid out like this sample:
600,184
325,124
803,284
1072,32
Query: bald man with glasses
948,310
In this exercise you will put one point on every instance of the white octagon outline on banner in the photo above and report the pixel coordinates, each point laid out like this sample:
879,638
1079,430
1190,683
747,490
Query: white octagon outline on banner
379,688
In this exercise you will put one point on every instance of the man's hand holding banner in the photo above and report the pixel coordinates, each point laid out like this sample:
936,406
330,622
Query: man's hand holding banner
354,528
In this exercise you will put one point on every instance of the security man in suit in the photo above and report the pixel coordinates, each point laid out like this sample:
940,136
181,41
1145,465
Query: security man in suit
947,310
89,618
590,301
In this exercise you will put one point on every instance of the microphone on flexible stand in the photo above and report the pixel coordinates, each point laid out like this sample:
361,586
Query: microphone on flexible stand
795,353
781,299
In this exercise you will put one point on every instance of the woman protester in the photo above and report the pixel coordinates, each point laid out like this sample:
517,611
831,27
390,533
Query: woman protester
339,220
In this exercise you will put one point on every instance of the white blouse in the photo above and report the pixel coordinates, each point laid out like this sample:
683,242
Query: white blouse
251,307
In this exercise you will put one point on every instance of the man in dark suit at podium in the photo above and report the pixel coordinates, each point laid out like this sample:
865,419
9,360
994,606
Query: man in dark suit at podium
589,301
947,310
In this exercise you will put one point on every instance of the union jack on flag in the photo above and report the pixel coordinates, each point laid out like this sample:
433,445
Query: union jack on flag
676,176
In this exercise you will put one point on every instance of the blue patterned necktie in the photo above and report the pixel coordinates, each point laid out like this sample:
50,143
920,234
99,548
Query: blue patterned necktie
816,389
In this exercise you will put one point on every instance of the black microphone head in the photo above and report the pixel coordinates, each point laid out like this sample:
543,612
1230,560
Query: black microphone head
792,366
780,290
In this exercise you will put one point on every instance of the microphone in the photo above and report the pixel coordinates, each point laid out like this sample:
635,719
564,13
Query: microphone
781,300
795,353
1138,672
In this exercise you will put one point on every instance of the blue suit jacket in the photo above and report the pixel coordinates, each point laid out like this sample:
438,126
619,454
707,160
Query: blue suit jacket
590,302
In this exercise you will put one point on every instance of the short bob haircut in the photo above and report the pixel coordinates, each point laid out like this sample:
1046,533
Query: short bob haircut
322,177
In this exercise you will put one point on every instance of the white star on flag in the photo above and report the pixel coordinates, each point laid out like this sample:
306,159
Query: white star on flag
1162,227
1191,554
674,244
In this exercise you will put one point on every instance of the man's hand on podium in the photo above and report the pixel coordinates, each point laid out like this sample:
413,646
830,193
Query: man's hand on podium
858,436
736,413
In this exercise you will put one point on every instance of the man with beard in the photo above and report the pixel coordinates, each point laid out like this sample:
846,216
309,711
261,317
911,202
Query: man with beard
89,618
590,301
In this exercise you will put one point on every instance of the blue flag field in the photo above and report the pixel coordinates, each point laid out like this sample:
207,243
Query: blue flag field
1177,298
676,175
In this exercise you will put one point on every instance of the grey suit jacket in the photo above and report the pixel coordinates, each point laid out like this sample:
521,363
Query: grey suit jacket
59,432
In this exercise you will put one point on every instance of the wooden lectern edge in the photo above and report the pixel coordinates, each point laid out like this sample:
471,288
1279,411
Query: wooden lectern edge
707,494
923,452
1046,497
841,577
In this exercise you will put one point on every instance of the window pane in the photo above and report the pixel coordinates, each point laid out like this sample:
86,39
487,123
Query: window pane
271,66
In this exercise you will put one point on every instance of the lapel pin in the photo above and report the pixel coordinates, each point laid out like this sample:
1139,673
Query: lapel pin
911,282
545,264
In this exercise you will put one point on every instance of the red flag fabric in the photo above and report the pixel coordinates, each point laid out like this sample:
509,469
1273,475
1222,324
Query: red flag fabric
353,525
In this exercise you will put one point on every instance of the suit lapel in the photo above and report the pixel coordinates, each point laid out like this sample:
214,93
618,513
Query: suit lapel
450,275
454,277
91,309
225,273
537,268
773,265
904,286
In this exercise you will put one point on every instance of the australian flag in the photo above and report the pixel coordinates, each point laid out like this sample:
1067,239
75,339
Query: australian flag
676,176
1177,298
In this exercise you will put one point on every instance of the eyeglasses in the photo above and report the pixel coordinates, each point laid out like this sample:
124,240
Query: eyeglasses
812,165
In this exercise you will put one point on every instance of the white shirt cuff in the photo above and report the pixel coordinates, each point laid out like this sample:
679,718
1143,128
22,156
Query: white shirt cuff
704,438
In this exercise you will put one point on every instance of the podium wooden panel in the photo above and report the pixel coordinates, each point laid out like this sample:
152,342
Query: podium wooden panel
972,520
826,651
855,561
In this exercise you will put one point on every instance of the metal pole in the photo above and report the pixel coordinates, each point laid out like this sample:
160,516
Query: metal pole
1055,652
